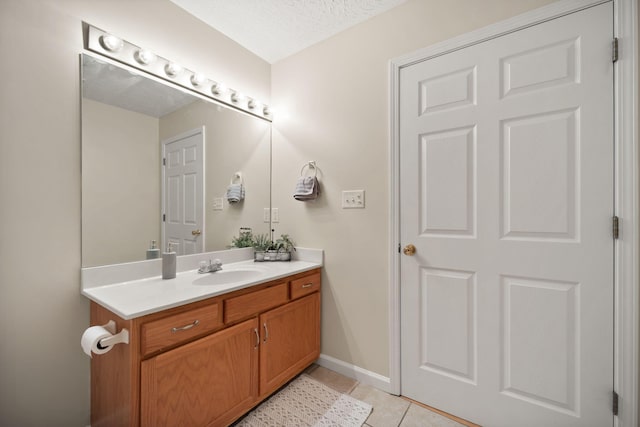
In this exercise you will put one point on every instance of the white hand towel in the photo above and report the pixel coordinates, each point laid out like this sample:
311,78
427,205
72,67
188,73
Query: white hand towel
307,188
235,193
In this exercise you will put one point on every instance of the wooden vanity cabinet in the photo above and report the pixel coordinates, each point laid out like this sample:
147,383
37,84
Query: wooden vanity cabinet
209,362
290,341
208,381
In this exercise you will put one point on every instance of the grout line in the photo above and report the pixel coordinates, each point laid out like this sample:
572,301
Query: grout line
405,414
444,414
353,387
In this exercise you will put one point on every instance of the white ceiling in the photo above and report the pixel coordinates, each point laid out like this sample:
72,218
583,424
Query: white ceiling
275,29
116,86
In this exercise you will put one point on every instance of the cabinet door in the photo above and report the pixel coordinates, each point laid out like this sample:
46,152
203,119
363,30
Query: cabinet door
290,341
210,381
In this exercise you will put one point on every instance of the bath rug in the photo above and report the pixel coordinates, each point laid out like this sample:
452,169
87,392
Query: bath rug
306,402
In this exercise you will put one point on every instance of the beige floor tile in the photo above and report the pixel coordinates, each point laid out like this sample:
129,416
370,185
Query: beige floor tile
333,379
388,410
311,368
417,416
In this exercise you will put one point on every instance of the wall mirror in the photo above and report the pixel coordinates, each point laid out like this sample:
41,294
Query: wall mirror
130,123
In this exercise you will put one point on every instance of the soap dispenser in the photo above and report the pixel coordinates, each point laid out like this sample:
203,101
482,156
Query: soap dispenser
169,262
153,252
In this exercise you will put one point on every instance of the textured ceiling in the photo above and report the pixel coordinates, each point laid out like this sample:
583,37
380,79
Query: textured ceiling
116,86
275,29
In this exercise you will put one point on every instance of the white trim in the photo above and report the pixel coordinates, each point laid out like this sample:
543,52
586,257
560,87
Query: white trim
357,373
394,229
627,186
627,304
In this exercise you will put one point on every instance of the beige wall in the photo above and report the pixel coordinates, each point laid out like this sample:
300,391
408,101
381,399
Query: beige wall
234,142
120,184
44,376
332,107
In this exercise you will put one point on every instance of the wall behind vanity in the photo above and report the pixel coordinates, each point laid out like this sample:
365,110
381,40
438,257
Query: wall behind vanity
44,376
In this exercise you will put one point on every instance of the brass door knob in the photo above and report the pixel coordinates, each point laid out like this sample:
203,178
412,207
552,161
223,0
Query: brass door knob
196,232
409,250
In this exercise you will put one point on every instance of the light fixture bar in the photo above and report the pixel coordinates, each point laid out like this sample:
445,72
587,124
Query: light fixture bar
108,45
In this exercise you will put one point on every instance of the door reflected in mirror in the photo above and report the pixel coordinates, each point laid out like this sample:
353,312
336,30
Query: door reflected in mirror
129,121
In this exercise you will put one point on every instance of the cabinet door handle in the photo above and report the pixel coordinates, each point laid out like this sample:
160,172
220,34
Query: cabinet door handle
266,332
185,327
257,338
308,285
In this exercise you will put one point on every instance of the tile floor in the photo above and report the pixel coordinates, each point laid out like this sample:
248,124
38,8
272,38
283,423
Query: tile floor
388,410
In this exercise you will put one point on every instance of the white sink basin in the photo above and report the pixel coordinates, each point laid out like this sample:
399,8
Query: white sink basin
224,277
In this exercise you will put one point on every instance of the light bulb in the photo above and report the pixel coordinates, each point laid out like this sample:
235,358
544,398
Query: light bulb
111,43
266,111
235,97
144,57
172,69
217,88
198,79
251,104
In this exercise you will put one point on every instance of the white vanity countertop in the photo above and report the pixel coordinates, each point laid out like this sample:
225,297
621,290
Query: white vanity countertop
150,295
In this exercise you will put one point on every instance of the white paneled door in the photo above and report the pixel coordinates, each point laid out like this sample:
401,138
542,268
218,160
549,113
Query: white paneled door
183,192
506,171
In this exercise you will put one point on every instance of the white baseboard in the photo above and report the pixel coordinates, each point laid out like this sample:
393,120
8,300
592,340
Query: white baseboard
357,373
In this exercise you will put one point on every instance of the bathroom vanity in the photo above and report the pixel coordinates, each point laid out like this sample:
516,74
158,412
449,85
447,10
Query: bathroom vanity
210,361
202,349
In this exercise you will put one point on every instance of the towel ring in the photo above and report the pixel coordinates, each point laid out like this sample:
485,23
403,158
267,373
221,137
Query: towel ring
237,178
311,165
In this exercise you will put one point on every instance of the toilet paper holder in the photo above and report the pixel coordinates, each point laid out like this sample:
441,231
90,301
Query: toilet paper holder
121,337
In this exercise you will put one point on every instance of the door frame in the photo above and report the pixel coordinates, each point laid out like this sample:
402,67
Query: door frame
163,190
627,185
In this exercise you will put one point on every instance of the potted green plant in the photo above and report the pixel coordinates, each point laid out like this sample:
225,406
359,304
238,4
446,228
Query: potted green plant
284,246
261,244
267,250
244,239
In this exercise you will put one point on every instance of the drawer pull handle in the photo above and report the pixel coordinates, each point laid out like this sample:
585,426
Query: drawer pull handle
257,338
266,332
308,285
184,328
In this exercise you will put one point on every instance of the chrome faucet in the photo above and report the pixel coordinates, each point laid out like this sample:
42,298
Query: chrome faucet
212,267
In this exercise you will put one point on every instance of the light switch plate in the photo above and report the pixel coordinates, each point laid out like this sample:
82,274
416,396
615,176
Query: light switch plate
266,216
218,204
353,199
275,215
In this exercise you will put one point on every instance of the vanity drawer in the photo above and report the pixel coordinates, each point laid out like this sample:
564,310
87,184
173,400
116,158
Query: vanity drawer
180,327
246,305
305,285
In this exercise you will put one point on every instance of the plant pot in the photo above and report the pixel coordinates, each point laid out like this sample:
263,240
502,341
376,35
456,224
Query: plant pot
263,256
283,256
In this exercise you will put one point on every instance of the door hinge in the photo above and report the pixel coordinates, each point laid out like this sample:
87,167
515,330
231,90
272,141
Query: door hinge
615,227
164,161
614,50
164,217
398,247
614,403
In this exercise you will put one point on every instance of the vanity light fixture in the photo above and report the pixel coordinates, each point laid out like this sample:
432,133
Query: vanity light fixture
172,69
144,57
198,79
111,42
114,48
